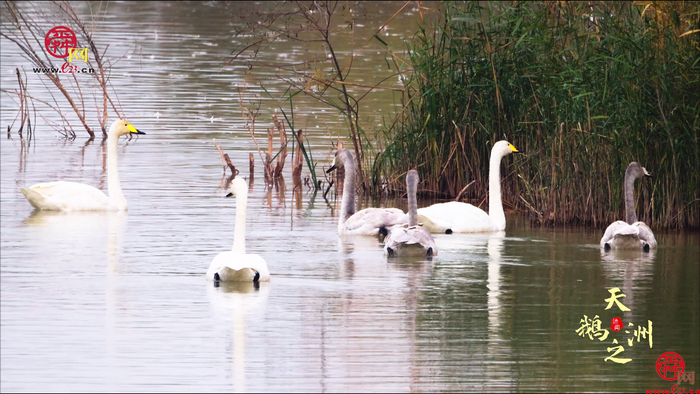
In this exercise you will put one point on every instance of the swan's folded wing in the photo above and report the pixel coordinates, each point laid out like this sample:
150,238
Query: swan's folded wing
415,235
401,236
375,218
457,216
62,195
645,233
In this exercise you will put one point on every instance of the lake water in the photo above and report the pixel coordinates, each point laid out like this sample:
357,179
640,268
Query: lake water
119,302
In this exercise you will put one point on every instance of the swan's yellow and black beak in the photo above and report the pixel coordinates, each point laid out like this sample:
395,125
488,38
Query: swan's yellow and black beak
230,195
647,173
333,167
513,149
133,130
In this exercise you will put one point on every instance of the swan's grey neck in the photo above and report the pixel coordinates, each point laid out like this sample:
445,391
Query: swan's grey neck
630,213
113,186
239,233
496,213
412,185
347,204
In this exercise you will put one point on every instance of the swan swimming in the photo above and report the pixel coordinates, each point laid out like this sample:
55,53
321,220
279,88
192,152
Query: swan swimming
235,265
631,234
459,217
369,221
73,196
413,240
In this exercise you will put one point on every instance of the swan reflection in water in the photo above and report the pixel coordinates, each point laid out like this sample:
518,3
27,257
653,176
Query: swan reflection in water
76,241
632,267
78,234
237,304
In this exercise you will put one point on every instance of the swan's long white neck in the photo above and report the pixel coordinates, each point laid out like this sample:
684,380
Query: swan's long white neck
113,186
239,234
347,204
498,217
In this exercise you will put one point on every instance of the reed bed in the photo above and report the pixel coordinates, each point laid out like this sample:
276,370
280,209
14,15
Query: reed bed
582,88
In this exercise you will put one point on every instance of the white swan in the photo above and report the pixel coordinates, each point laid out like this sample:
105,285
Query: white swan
631,234
413,240
73,196
369,221
460,217
235,265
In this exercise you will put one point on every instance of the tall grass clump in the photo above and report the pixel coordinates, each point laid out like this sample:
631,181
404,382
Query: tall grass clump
582,88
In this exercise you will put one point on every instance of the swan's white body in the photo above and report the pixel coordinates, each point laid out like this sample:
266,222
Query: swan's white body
631,234
235,265
413,240
620,235
73,196
368,221
459,217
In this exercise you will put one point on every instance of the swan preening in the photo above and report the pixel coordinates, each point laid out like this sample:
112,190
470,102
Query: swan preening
413,240
235,265
460,217
73,196
631,234
369,221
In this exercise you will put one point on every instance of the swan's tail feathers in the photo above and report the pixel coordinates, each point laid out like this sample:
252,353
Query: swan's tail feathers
35,198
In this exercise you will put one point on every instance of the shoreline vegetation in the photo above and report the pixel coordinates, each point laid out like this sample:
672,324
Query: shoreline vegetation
581,88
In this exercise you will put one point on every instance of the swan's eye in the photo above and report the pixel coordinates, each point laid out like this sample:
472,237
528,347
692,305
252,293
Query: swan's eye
125,124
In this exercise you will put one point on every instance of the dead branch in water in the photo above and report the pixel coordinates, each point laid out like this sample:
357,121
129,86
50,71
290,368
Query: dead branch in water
226,160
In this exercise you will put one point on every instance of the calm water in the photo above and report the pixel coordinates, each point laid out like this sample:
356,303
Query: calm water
118,302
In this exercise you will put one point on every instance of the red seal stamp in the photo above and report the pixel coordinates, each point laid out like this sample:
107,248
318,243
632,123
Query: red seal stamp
616,324
670,366
59,40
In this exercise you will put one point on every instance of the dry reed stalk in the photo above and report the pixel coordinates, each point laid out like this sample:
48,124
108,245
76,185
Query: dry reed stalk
298,158
281,157
251,166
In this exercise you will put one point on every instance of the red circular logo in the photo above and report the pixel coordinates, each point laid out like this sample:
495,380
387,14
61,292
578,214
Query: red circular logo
670,366
58,41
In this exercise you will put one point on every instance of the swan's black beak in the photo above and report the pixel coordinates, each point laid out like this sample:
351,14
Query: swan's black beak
229,195
138,132
330,169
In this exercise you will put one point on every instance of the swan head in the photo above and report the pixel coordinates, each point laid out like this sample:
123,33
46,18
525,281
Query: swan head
503,148
342,157
637,171
238,186
122,127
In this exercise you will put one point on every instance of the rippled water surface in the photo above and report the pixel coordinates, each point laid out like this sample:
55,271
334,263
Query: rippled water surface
119,302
